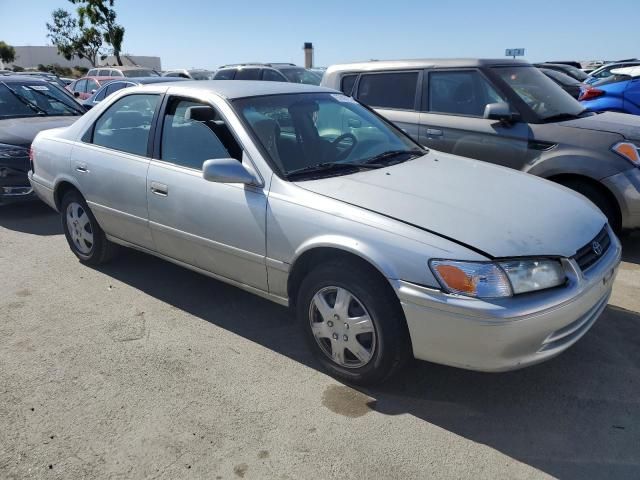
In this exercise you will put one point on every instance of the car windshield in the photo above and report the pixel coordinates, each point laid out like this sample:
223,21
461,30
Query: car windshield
140,73
301,75
202,75
545,98
30,99
308,131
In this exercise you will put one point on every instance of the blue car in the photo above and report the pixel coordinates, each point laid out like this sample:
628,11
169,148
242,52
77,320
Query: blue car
619,92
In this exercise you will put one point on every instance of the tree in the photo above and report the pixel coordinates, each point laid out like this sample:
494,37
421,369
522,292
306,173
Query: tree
7,52
101,15
73,39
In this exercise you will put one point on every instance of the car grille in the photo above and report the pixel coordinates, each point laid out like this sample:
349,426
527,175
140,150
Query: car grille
587,256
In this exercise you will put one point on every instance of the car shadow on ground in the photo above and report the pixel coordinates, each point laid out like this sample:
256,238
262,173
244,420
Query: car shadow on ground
32,217
577,416
631,248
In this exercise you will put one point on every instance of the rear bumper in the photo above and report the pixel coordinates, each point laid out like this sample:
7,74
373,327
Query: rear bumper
42,192
16,193
510,333
626,188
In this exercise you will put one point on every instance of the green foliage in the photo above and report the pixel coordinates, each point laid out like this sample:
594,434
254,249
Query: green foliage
57,69
7,52
102,16
72,38
17,68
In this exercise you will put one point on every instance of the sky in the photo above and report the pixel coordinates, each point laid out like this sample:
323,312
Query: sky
210,33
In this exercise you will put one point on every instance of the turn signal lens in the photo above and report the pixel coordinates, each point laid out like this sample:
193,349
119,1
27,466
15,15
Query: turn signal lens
628,151
474,279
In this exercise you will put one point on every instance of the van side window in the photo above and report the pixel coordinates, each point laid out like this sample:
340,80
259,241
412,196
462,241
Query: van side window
193,132
125,125
347,83
389,90
464,92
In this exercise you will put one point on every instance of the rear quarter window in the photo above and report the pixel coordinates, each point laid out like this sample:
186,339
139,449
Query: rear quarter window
347,83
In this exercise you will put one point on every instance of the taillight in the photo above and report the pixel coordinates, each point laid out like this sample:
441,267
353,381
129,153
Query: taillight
591,93
31,158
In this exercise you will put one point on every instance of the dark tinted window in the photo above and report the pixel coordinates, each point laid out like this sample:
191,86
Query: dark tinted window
115,86
226,74
389,90
140,73
194,132
125,125
347,83
270,75
248,74
461,93
100,95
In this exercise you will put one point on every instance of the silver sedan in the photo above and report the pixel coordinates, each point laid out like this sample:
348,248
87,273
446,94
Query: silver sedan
385,250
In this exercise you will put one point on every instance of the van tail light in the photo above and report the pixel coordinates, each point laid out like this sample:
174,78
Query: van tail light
591,93
31,160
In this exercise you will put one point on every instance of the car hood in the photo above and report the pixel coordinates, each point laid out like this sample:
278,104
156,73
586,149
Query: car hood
613,122
498,211
22,131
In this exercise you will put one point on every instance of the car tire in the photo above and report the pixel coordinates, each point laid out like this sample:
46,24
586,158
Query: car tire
381,345
600,200
85,237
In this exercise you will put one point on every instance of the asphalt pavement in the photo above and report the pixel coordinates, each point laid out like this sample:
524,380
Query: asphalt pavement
142,369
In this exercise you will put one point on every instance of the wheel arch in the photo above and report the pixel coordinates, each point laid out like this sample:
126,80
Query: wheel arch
62,187
323,250
566,178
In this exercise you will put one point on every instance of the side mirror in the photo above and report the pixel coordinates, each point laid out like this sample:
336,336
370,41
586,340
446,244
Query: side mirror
498,111
226,170
76,94
93,91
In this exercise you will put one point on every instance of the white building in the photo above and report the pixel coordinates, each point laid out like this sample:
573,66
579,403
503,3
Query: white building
32,56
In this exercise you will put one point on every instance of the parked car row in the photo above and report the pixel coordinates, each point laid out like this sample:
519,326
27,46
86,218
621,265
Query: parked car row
369,205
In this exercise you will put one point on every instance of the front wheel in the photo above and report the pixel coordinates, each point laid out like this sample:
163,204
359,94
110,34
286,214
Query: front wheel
353,323
84,236
600,199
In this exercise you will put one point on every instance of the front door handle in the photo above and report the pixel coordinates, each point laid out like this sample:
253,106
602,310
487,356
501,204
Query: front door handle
159,189
434,132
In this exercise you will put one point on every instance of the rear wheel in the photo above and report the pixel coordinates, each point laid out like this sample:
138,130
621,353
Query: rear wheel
85,237
353,322
600,199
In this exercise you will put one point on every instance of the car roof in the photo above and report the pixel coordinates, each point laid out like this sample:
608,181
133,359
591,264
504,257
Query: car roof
22,78
231,89
145,80
633,71
423,63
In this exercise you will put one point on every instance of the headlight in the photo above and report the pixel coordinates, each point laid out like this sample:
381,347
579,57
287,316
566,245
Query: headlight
8,152
629,151
500,279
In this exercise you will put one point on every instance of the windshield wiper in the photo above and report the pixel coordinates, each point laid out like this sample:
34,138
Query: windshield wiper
57,100
327,167
394,153
558,117
28,103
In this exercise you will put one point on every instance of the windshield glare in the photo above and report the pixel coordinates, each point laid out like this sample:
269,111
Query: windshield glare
301,75
539,92
36,99
302,130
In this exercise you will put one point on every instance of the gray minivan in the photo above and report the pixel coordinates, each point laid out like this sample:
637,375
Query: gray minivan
509,113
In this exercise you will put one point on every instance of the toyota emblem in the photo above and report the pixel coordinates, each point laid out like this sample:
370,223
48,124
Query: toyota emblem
597,248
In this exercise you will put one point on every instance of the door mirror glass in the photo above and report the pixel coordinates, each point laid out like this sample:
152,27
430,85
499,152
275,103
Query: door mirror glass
498,111
226,170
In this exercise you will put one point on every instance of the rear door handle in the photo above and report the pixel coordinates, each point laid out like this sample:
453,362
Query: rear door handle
159,189
82,167
434,132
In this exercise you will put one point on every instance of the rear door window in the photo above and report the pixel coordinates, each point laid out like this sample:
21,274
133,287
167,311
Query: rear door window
270,75
125,125
395,90
248,74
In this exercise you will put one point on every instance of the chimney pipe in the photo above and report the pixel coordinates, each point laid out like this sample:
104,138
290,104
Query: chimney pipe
308,55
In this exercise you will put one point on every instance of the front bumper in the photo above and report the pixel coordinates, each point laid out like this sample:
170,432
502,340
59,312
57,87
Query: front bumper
626,188
507,334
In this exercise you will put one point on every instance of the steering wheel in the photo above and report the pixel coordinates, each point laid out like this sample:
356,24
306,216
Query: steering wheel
344,153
